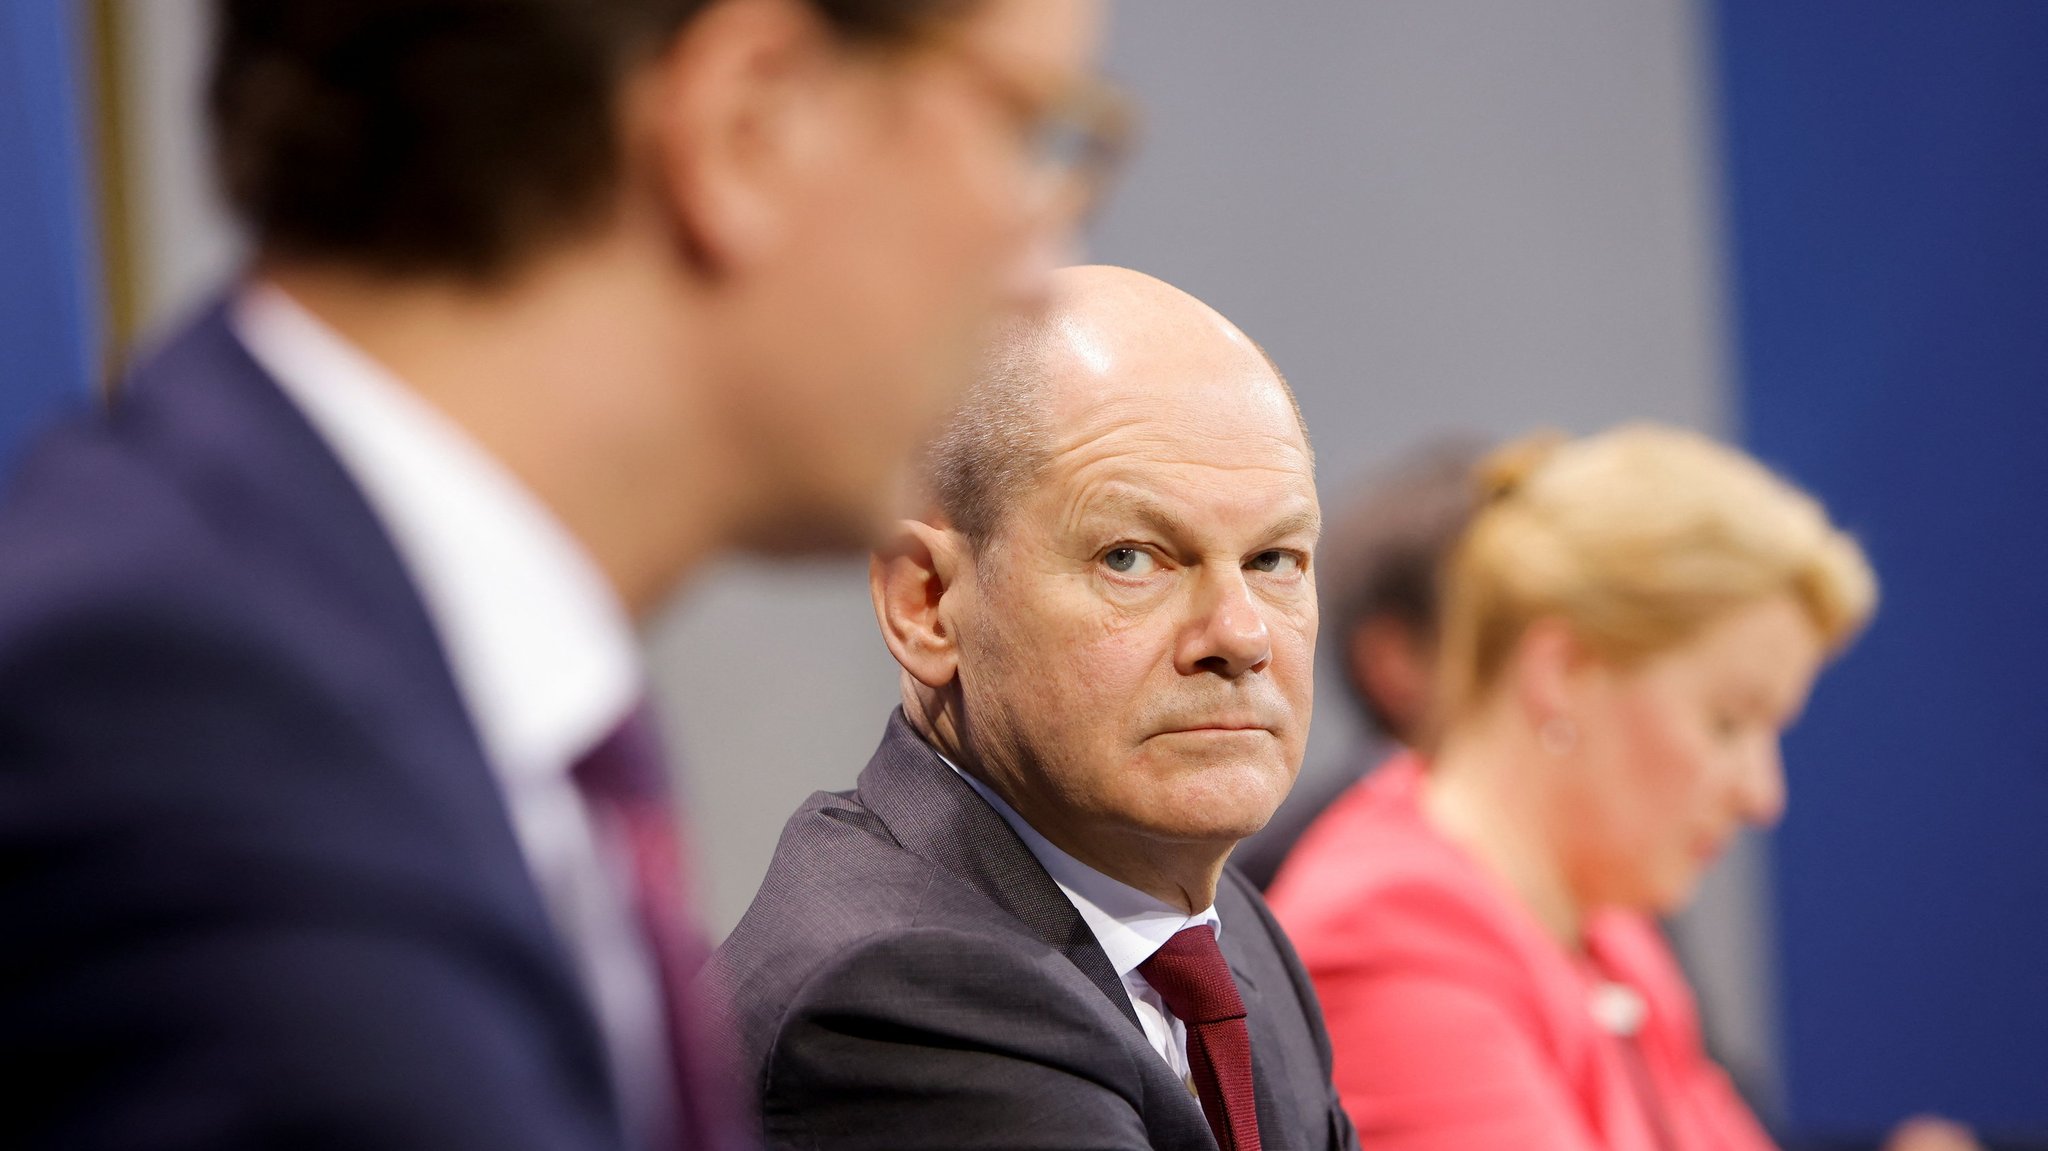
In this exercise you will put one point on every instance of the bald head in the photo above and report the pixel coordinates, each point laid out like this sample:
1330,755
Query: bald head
1109,336
1118,633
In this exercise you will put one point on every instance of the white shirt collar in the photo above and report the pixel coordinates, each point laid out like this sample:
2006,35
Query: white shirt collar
1129,924
541,648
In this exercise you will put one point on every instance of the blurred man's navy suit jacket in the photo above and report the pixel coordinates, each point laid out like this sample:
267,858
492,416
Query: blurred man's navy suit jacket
258,887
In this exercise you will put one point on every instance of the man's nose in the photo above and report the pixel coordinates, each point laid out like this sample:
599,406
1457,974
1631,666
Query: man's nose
1228,635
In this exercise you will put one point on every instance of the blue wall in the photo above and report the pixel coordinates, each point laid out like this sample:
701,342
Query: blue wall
1888,162
48,286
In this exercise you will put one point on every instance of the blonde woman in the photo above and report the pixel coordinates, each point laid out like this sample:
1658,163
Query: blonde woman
1630,622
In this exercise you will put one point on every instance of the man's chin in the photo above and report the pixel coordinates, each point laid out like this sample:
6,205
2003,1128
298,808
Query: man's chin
1218,815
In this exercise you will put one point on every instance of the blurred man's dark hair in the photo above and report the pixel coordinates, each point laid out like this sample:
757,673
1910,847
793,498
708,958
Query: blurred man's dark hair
1382,557
447,137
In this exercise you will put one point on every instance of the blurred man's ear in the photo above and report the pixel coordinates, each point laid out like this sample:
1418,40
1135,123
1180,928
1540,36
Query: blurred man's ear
736,108
908,578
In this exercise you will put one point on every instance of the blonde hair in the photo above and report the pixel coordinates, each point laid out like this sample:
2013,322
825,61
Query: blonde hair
1636,538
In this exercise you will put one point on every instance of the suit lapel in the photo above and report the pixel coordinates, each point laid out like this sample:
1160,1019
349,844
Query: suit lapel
934,814
258,468
210,417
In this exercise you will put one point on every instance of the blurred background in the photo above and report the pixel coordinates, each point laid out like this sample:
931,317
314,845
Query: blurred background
1819,228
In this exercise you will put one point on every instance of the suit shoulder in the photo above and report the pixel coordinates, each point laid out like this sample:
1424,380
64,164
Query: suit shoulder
91,529
153,677
848,916
836,869
838,881
117,598
917,1035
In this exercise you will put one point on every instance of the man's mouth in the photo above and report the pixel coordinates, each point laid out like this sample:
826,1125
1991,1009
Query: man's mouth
1216,727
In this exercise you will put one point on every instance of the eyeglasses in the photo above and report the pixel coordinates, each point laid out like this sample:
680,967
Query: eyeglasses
1077,131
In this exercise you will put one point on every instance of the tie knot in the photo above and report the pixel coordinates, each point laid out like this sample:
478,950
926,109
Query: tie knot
1191,975
626,768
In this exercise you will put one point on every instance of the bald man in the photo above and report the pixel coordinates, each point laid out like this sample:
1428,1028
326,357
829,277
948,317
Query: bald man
1018,931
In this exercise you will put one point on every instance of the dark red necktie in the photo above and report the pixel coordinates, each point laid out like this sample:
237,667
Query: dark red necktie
624,781
1191,975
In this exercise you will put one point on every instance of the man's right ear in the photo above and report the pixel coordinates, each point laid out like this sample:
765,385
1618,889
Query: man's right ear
735,111
909,578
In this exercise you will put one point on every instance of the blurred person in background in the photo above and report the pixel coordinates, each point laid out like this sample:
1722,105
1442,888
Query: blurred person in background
1379,568
1630,622
1018,932
330,810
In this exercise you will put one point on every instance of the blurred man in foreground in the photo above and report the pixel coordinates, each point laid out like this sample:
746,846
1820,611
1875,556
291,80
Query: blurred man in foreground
1381,565
332,814
1018,931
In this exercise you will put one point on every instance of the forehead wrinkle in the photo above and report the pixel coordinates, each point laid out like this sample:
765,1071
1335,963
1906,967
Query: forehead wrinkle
1128,427
1119,499
1141,465
1120,496
1132,451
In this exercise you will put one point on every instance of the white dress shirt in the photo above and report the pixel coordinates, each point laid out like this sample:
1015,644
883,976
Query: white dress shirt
1129,924
542,651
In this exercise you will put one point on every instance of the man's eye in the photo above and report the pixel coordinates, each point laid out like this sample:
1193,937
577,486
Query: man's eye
1127,561
1278,562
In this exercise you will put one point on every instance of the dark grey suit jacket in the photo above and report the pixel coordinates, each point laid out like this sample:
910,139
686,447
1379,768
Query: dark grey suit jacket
909,977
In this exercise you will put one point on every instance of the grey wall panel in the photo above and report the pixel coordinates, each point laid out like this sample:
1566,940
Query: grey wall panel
774,684
188,242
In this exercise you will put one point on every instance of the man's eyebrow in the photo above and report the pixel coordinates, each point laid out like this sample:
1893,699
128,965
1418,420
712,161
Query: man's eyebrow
1127,504
1123,503
1303,521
